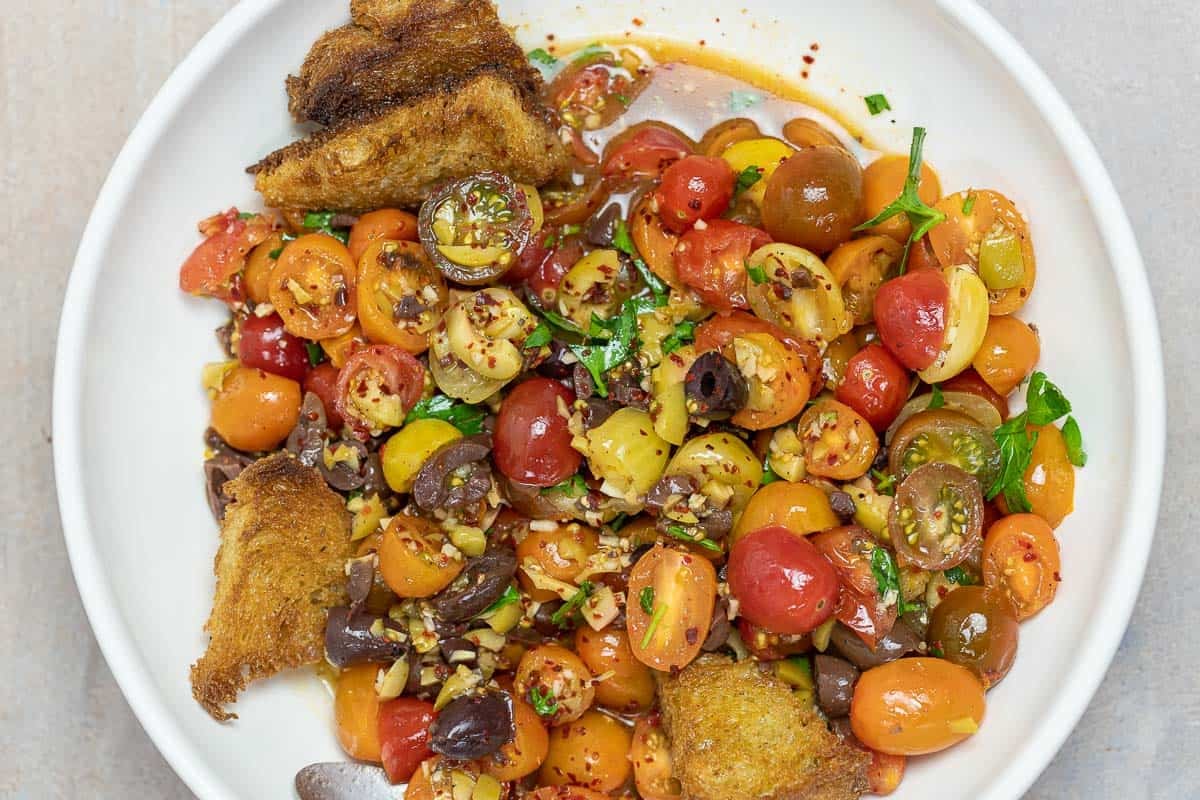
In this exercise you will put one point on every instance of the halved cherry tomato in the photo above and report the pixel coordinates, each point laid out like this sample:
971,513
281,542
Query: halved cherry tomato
936,519
651,757
781,582
911,314
718,332
404,736
265,345
948,437
561,552
560,678
805,132
356,709
777,384
682,592
970,381
526,752
1021,560
860,267
256,277
377,388
860,608
712,261
532,442
875,385
545,280
312,287
254,410
565,793
322,381
915,706
800,507
594,90
883,180
387,224
400,295
837,441
1049,480
339,348
694,188
767,645
412,558
1009,352
629,687
654,240
474,228
573,202
644,151
717,139
794,289
885,772
212,267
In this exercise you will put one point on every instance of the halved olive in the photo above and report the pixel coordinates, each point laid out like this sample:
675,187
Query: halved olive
936,519
474,228
948,437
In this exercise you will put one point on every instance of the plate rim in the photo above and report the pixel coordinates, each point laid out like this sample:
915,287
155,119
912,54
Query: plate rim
1127,564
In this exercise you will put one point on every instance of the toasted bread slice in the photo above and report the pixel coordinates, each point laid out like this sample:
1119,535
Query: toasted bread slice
395,155
739,733
394,17
284,544
352,69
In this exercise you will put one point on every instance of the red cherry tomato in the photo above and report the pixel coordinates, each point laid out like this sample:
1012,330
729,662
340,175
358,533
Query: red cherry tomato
875,385
404,736
322,381
712,261
212,268
644,152
544,280
265,345
696,187
781,582
532,442
910,313
849,549
377,387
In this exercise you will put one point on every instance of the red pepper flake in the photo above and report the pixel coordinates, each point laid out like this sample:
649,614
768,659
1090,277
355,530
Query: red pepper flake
804,74
1057,577
1031,557
809,59
638,21
815,46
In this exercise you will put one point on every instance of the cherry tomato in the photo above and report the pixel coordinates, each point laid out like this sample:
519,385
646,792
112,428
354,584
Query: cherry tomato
574,202
777,383
718,332
681,590
937,517
356,711
911,313
385,224
322,381
531,258
532,442
719,138
566,793
694,188
712,261
875,385
404,736
947,437
526,752
804,132
655,242
400,295
256,278
971,383
800,507
1021,561
885,772
265,345
593,91
860,608
767,645
561,552
651,757
1009,353
474,228
975,628
644,151
915,706
312,287
412,558
340,348
545,280
629,689
213,266
556,683
377,388
814,199
836,440
883,181
781,582
592,751
255,410
1049,480
860,267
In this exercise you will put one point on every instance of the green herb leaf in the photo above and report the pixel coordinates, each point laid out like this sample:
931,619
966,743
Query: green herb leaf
887,577
757,274
877,104
247,215
747,178
769,475
573,604
562,323
1074,441
624,243
322,222
511,595
541,56
684,333
969,205
740,100
646,599
960,576
885,483
618,522
539,338
1044,402
923,217
660,610
468,419
681,533
936,400
543,701
316,354
274,254
599,358
574,486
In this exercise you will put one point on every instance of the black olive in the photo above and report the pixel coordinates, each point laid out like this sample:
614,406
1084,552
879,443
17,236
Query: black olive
542,619
900,641
720,627
433,488
307,439
459,645
842,504
602,226
481,583
715,387
342,476
472,727
348,639
835,678
225,465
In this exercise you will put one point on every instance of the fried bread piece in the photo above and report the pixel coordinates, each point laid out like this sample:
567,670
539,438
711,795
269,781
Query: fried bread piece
352,68
394,155
284,544
739,733
393,17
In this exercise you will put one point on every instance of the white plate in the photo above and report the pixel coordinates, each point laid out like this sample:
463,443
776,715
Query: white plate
128,410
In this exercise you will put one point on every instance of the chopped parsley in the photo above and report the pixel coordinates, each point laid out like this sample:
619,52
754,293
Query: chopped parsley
624,243
887,578
543,701
600,357
757,274
660,610
885,482
935,397
1044,404
511,595
960,576
1074,441
684,333
618,522
468,419
681,533
541,56
540,337
646,599
567,610
574,486
316,354
923,217
877,104
287,237
747,178
322,222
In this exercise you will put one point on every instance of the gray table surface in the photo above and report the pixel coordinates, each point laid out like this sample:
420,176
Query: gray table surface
76,76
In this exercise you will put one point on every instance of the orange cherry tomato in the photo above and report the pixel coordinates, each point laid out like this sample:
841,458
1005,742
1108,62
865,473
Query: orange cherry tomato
804,132
526,752
1050,477
800,507
629,687
916,706
561,552
718,333
566,793
387,224
340,348
1021,560
256,278
255,410
1008,354
651,757
212,268
401,296
312,287
592,752
654,241
680,590
885,772
838,442
883,181
718,139
556,683
411,557
860,267
777,383
356,711
712,261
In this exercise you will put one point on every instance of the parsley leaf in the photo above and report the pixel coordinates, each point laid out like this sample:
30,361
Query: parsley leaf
684,333
510,596
557,320
960,576
747,178
244,215
322,222
1044,404
599,358
923,217
618,522
574,486
935,397
757,274
540,56
316,354
624,243
679,532
877,104
1074,441
468,419
968,205
539,338
543,701
887,577
1044,401
646,599
576,601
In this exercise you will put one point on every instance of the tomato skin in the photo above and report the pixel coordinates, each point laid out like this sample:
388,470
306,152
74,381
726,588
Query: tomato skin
255,410
389,224
782,583
645,151
356,710
694,188
911,313
814,199
532,442
970,381
313,285
885,772
212,267
545,279
915,706
712,261
1050,477
398,372
404,736
767,645
322,380
685,590
1009,352
875,385
849,549
265,345
800,507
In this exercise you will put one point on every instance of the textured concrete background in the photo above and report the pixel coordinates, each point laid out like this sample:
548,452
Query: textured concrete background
76,75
